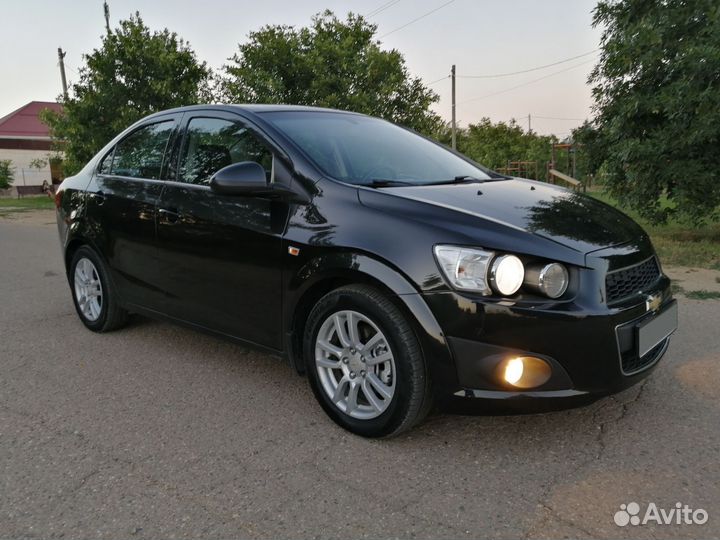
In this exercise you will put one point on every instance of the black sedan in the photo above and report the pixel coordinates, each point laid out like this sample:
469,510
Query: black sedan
391,271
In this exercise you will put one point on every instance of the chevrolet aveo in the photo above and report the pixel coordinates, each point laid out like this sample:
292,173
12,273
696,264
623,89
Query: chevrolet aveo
392,271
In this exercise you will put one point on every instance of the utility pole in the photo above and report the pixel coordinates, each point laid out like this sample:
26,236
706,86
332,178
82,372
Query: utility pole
106,8
61,56
452,75
529,124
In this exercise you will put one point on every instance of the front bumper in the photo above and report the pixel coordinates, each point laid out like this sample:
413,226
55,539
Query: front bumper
591,349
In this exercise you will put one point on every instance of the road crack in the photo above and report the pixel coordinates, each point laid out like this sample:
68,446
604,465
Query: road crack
615,411
622,411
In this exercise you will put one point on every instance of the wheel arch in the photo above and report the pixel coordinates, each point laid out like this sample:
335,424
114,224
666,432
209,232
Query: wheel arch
310,284
76,242
71,248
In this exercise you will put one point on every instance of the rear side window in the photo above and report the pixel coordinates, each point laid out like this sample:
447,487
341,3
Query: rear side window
214,143
140,154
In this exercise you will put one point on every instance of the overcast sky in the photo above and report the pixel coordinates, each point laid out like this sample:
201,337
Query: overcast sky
482,37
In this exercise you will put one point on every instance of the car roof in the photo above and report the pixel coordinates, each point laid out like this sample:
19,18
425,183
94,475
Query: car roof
254,108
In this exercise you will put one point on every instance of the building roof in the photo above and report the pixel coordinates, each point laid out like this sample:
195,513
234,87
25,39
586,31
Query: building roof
24,123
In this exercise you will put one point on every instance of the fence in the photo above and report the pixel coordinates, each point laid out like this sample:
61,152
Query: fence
31,177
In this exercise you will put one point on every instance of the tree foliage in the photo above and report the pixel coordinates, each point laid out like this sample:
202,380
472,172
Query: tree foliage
331,63
591,149
494,145
657,92
134,73
7,173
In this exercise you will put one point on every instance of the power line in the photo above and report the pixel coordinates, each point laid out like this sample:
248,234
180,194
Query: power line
558,118
523,117
417,19
437,80
498,75
381,8
528,83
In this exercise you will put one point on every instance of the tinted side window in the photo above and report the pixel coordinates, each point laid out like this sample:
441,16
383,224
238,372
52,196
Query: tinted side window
214,143
140,154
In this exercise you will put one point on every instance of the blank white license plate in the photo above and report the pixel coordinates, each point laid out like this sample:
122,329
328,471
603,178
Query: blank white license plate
654,330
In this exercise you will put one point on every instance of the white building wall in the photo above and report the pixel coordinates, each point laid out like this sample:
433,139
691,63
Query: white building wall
21,160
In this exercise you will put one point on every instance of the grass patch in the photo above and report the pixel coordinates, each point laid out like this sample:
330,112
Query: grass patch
678,243
9,206
676,288
703,295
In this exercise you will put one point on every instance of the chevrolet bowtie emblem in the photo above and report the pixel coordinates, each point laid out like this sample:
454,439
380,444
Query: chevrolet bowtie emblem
653,301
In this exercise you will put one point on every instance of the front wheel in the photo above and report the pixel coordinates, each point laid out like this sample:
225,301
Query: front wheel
364,362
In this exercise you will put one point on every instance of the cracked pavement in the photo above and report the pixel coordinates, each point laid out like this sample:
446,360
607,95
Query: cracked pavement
159,431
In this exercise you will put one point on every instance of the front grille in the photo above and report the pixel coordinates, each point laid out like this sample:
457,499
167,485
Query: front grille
631,280
632,363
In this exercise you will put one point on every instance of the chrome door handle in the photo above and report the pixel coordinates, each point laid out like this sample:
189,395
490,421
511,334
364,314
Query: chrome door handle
98,197
171,216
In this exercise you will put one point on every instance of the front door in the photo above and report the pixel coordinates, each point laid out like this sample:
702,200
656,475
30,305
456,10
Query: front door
220,255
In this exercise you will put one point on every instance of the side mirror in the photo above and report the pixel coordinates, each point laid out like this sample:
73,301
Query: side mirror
244,178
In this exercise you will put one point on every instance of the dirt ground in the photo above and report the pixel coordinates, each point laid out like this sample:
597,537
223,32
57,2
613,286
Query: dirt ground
694,279
27,217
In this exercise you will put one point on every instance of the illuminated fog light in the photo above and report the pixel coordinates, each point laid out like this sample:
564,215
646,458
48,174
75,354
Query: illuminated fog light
513,370
524,372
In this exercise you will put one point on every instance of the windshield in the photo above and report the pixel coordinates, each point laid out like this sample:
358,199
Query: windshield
365,150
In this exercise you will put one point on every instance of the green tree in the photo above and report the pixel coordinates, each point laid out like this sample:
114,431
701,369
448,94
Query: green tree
134,73
493,145
331,63
591,149
7,173
657,93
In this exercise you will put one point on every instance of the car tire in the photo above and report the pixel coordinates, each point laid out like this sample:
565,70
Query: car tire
392,393
94,297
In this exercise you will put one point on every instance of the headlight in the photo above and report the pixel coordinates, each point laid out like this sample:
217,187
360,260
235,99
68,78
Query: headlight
465,268
548,279
507,274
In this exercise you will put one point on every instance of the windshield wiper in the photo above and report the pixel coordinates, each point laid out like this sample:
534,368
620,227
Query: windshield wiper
463,179
379,182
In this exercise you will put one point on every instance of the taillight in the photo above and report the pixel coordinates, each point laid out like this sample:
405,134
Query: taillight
58,198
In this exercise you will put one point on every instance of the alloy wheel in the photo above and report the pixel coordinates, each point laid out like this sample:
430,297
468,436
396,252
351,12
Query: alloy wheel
88,289
355,364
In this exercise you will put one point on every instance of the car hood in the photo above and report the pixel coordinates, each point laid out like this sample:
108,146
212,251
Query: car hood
572,219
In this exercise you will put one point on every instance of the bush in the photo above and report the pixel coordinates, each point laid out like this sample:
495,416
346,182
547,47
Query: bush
7,173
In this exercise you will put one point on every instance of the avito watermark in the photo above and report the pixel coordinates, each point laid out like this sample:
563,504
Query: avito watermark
680,514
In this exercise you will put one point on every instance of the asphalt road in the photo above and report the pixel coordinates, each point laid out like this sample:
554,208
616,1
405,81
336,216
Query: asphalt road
157,431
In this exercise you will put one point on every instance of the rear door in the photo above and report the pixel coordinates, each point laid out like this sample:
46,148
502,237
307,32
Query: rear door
121,208
220,255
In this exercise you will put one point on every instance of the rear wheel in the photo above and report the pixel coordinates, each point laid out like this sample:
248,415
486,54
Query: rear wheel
364,362
95,301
